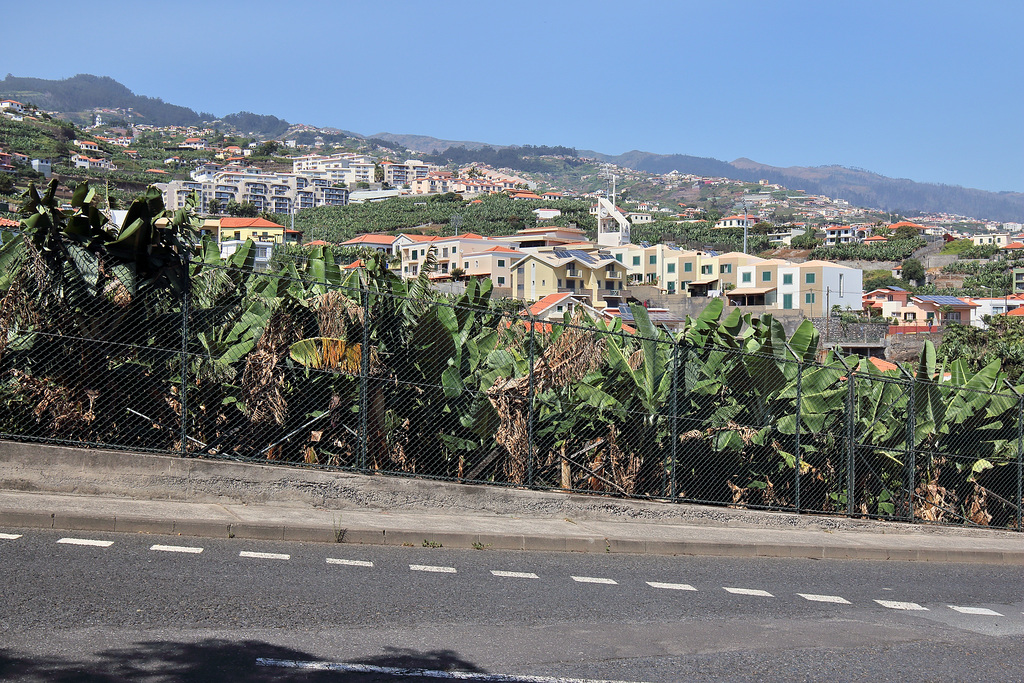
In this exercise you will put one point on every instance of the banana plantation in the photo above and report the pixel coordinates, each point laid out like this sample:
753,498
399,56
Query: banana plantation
144,338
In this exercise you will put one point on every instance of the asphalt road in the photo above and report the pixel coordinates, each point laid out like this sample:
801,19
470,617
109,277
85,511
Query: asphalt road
246,610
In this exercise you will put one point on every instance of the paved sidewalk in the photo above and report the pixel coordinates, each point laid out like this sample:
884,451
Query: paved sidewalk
536,532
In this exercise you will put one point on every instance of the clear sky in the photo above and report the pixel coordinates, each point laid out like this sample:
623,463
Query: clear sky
930,90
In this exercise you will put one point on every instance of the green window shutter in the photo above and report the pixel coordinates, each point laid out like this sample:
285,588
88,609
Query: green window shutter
746,277
636,260
787,278
687,267
766,276
809,279
787,301
671,267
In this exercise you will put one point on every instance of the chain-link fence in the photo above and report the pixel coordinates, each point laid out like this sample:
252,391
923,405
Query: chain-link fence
261,367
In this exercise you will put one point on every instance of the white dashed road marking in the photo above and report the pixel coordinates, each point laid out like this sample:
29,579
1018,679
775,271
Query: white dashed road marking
749,591
418,673
824,598
265,556
671,586
908,606
594,579
177,549
431,568
9,537
515,575
86,541
980,611
350,563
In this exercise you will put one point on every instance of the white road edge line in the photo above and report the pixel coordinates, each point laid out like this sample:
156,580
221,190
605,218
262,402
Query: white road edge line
265,556
420,673
350,563
980,611
906,606
595,579
9,537
671,586
86,541
515,575
749,591
824,598
431,568
177,549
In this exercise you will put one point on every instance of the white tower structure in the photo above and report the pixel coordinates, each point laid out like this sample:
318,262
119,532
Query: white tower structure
612,226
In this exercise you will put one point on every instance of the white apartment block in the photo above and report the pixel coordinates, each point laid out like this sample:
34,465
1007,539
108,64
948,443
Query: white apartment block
345,167
404,174
270,192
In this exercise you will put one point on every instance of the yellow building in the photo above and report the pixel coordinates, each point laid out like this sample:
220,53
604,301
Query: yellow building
597,278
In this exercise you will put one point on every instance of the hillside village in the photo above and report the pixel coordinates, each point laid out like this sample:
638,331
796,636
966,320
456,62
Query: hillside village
810,261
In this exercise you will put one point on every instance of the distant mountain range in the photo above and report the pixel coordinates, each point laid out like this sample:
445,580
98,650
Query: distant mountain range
859,187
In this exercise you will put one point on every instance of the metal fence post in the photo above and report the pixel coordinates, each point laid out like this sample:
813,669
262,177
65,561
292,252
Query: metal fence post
674,403
911,455
530,406
185,301
796,454
364,372
851,442
1020,458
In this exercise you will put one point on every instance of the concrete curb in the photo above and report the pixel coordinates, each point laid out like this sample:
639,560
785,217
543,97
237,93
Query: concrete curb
493,540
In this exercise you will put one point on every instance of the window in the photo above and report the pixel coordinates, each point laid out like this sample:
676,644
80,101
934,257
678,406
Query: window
747,276
618,257
809,279
687,267
636,260
671,267
671,287
559,308
809,298
465,265
653,259
766,276
707,270
787,278
559,283
931,315
454,249
840,284
501,280
725,268
787,301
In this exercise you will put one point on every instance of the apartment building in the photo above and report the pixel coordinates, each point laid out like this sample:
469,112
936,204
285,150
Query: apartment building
345,167
595,277
813,287
271,192
82,161
402,174
493,262
437,182
449,253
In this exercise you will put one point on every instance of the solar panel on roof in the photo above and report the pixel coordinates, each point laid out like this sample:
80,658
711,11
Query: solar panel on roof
942,300
897,289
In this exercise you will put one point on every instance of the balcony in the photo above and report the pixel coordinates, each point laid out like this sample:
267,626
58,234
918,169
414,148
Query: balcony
612,276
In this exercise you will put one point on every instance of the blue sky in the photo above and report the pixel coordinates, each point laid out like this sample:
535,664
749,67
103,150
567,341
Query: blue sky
927,90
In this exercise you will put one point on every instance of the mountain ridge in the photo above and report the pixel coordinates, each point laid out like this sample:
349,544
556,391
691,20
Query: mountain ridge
857,186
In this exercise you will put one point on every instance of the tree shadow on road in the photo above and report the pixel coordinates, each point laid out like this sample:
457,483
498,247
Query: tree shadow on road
213,660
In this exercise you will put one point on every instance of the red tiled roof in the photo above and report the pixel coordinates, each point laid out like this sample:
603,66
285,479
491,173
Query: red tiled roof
547,302
420,238
8,223
248,223
370,238
1014,245
883,365
156,170
503,250
1017,311
358,263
